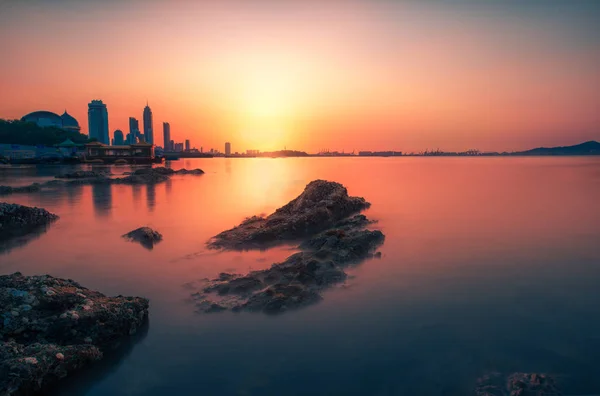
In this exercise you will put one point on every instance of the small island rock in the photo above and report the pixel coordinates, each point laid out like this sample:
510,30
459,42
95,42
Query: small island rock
146,236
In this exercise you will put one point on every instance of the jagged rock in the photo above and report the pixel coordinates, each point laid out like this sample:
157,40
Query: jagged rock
146,236
50,327
18,220
81,174
279,298
517,384
298,280
83,178
142,178
320,206
167,171
6,190
184,171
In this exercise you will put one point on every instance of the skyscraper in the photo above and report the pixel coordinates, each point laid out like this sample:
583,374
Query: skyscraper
227,148
134,130
118,139
187,144
167,136
148,131
98,121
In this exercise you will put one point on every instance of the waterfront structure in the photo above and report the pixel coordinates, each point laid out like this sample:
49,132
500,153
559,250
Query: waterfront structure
148,131
178,147
118,139
172,145
49,119
227,148
98,121
187,144
139,153
167,136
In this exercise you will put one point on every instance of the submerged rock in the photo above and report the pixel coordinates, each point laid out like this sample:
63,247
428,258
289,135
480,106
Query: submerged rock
82,178
297,281
82,174
320,206
146,236
18,220
142,178
517,384
51,326
6,190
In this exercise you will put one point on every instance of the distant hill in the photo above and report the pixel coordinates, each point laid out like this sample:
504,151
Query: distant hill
587,148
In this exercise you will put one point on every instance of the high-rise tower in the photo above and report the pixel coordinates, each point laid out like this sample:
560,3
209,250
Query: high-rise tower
98,121
167,136
148,130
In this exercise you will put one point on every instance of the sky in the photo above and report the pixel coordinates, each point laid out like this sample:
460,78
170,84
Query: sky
312,75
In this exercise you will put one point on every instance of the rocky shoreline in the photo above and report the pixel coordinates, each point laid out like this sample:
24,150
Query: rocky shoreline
51,327
337,237
19,221
78,178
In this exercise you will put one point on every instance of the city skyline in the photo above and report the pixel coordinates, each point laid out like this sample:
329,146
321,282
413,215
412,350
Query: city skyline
398,75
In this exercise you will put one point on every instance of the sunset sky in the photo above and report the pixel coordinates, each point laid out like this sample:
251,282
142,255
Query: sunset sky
310,75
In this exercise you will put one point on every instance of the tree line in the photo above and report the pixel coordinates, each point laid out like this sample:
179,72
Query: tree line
29,133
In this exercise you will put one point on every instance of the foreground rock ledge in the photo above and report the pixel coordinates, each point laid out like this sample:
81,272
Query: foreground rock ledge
335,241
320,206
145,236
51,327
18,220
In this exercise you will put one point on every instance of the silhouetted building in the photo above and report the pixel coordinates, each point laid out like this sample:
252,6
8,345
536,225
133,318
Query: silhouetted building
167,136
98,121
134,130
227,148
118,139
148,132
48,118
178,147
187,144
172,145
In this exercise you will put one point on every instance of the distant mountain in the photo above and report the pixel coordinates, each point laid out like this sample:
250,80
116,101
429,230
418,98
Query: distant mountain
587,148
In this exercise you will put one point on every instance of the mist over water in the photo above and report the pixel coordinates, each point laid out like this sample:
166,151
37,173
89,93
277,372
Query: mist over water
489,264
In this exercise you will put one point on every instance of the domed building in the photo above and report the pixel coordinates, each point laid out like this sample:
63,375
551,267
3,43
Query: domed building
50,119
69,122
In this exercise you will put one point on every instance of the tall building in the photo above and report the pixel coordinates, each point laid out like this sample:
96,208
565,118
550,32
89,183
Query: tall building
98,121
134,130
148,131
118,139
187,144
167,136
227,148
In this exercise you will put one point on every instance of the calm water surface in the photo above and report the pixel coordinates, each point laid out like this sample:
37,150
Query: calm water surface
489,264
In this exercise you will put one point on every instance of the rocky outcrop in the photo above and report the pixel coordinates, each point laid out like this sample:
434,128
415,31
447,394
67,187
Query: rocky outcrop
145,236
6,190
18,220
299,280
517,384
82,178
318,208
50,327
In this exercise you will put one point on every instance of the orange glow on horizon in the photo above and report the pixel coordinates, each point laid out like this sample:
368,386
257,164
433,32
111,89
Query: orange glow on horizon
342,75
